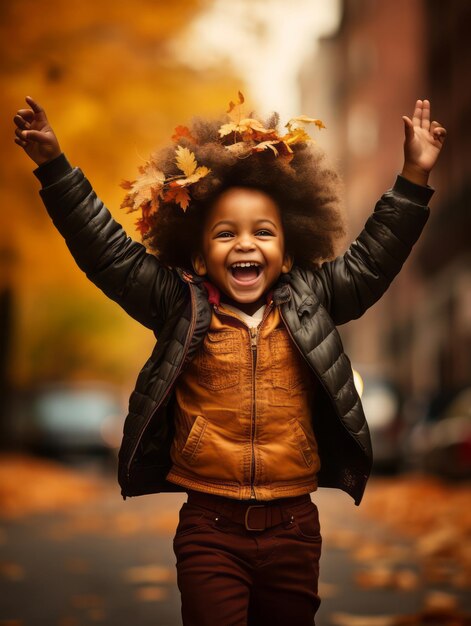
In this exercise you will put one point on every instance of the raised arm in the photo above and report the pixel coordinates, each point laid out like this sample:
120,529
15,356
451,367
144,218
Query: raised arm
119,266
353,282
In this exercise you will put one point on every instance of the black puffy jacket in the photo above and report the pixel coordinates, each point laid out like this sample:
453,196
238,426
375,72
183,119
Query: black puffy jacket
174,305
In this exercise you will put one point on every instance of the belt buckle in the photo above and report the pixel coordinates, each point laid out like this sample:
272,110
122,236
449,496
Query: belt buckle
246,520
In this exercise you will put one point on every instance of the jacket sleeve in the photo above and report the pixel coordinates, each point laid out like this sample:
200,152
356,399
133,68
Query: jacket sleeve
120,267
350,284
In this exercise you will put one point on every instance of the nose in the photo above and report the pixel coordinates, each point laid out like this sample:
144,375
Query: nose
245,242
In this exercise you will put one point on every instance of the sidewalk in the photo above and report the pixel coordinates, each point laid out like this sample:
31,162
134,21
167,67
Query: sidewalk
73,553
408,549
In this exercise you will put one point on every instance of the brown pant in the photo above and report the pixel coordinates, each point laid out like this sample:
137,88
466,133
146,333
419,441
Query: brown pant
242,566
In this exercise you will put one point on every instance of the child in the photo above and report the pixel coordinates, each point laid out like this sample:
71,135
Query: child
247,401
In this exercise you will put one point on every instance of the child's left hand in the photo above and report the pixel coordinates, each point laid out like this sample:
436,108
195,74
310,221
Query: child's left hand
423,143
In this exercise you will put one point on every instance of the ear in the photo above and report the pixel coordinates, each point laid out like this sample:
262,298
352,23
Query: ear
287,263
199,265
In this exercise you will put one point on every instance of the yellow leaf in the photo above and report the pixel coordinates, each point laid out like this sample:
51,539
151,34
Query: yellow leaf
186,160
246,125
189,180
253,124
266,144
295,136
304,119
146,186
227,129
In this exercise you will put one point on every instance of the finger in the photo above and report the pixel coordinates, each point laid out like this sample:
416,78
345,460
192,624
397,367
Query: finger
32,135
434,125
37,108
408,128
21,143
21,122
417,117
27,114
426,114
21,134
438,131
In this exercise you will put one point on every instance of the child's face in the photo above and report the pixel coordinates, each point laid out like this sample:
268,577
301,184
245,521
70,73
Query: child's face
243,226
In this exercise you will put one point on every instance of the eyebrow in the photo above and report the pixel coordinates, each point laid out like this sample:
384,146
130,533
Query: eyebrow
232,223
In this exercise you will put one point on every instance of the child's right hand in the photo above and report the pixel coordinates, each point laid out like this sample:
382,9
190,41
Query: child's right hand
34,134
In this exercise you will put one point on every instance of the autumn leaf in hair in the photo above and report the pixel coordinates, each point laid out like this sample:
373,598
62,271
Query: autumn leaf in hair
242,134
182,131
251,136
146,192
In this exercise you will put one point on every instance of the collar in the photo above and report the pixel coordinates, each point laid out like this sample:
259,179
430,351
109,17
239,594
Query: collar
214,295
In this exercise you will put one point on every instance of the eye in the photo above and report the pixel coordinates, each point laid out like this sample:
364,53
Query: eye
224,234
264,233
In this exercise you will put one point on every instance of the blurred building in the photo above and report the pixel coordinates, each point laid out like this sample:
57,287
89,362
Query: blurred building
441,337
367,75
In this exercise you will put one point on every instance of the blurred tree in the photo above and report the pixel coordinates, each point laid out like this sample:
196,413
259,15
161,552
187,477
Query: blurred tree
113,92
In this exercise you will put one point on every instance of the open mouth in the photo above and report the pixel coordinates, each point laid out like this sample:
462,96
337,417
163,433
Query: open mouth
246,271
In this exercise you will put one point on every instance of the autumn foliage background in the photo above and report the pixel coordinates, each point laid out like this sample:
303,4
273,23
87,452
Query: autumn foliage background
113,92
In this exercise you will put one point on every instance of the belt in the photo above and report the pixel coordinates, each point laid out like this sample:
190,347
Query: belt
254,517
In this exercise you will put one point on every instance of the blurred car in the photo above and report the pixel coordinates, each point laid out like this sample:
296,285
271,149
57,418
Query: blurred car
73,418
440,443
382,405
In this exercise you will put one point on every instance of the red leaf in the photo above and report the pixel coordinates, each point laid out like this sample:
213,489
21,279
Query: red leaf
182,131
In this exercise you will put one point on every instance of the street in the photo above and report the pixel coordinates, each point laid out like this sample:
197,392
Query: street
73,553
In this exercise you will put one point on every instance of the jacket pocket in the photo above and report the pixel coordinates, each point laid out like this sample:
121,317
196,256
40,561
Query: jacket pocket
218,364
302,441
194,440
287,370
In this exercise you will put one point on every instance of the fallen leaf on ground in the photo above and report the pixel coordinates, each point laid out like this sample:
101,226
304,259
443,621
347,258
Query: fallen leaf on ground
435,516
374,551
347,619
340,538
328,590
381,577
441,601
29,485
149,574
11,571
151,594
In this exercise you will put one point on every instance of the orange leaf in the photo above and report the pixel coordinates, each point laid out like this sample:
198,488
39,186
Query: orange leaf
241,100
178,194
182,131
143,225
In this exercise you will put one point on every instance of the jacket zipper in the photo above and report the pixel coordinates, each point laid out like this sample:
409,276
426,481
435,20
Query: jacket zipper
170,386
253,335
253,346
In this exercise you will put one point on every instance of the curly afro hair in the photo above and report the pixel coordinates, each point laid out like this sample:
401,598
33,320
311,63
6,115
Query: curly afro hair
305,190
